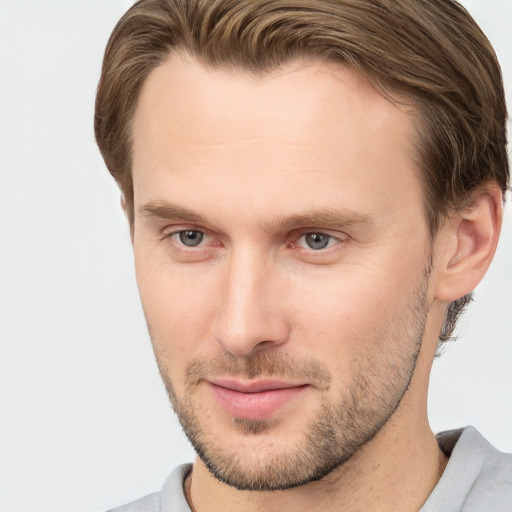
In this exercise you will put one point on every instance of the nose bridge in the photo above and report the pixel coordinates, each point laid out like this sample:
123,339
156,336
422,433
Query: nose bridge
249,314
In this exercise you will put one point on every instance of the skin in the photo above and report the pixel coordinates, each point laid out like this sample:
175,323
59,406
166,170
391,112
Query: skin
251,164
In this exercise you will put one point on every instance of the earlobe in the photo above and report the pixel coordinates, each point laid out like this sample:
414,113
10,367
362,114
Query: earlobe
123,203
469,244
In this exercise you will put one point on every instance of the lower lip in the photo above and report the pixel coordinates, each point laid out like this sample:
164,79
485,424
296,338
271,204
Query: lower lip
254,406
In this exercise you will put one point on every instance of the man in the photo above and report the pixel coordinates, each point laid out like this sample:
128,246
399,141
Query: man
314,188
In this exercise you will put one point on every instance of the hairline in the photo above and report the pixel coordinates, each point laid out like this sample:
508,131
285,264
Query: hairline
397,94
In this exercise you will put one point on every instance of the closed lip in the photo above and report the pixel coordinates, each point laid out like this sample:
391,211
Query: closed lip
254,386
257,399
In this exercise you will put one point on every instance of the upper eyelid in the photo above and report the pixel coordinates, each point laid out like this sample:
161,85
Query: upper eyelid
178,228
176,231
294,235
327,232
316,232
332,237
175,238
168,235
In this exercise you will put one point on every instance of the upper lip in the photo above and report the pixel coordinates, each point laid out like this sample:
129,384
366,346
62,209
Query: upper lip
254,386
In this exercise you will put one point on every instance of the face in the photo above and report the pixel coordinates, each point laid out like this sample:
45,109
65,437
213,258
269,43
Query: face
282,260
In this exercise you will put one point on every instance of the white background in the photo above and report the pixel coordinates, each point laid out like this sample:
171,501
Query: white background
84,420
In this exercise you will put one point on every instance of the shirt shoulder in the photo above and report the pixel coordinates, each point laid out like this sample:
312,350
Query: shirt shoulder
171,497
478,477
149,503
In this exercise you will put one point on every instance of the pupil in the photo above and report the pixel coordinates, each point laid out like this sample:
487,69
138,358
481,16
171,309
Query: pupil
191,238
317,240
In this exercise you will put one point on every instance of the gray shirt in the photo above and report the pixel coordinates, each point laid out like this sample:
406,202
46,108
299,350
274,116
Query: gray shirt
478,478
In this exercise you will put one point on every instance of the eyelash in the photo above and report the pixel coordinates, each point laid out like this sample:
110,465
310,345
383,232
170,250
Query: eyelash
170,237
332,240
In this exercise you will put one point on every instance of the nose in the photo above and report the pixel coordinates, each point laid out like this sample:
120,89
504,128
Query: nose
251,313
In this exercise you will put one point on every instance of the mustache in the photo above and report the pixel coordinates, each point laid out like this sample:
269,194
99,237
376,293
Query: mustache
260,364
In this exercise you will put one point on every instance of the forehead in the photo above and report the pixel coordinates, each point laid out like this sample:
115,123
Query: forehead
314,129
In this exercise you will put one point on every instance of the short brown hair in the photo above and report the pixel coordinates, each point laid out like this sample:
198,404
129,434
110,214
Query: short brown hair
428,51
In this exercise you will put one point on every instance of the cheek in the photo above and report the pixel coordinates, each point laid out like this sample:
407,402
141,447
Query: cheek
341,298
346,314
179,308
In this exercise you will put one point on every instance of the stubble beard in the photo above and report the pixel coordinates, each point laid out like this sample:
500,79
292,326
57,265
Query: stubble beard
380,379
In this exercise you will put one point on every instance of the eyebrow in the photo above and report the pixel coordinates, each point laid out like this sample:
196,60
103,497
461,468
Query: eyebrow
325,217
166,210
322,217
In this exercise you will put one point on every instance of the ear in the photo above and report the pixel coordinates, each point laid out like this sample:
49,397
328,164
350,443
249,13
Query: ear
468,243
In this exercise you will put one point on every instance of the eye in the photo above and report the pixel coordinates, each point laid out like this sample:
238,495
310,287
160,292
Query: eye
316,241
188,237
